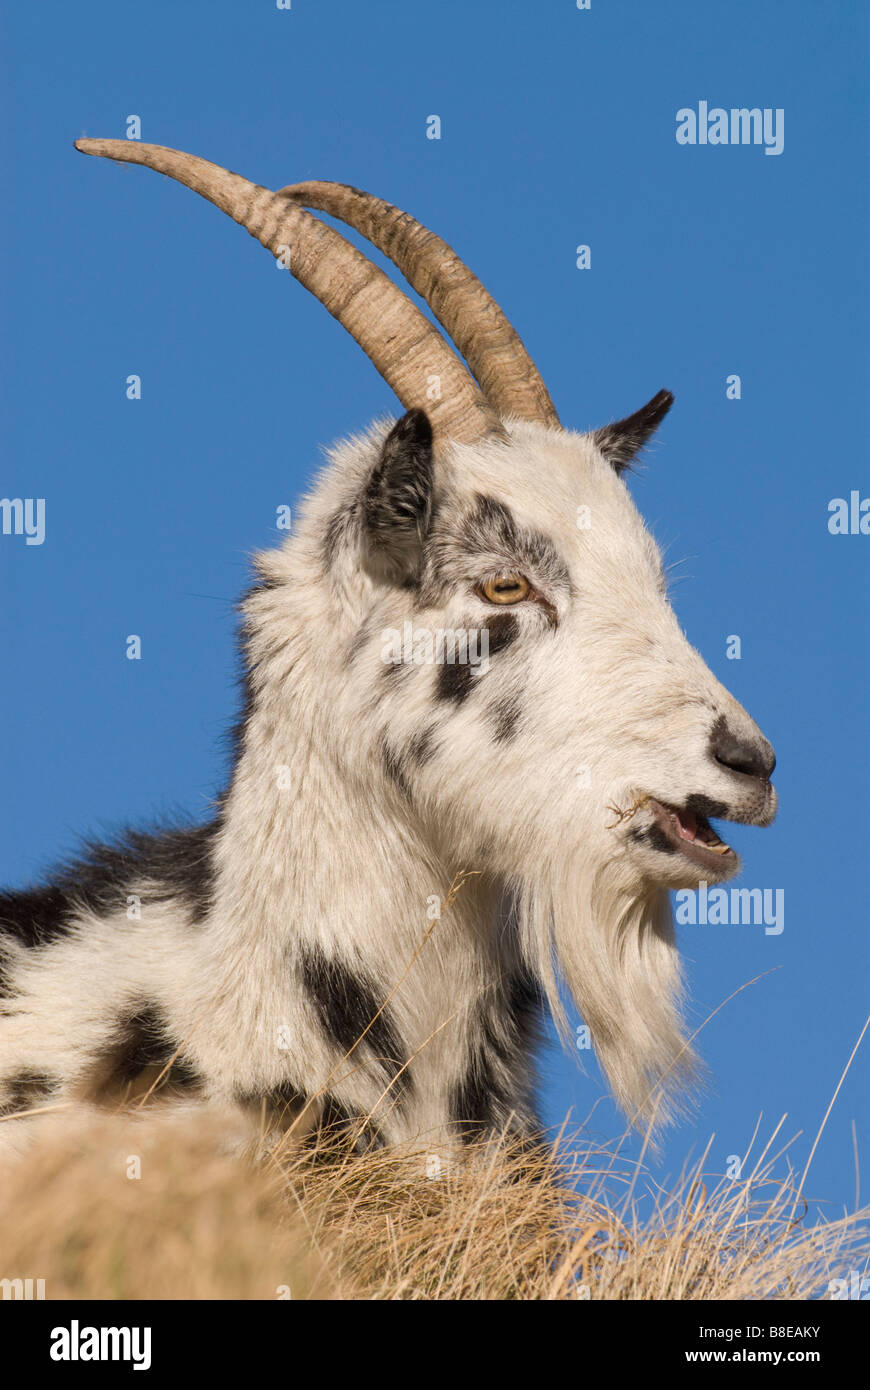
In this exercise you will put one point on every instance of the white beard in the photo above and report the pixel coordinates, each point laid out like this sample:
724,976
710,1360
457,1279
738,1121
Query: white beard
616,952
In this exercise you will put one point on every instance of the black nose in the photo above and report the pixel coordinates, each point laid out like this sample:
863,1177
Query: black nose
754,758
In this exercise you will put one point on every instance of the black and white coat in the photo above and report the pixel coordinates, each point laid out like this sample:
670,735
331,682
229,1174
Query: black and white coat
298,957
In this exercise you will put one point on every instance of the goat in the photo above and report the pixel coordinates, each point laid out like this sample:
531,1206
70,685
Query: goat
410,854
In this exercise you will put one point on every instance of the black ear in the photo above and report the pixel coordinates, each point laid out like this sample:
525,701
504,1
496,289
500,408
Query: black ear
621,441
397,506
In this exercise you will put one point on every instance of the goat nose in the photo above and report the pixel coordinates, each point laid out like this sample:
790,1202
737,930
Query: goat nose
754,757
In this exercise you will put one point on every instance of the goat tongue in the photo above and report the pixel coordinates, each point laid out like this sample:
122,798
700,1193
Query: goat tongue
699,832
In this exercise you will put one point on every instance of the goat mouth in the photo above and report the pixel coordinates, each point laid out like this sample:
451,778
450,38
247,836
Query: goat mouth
690,834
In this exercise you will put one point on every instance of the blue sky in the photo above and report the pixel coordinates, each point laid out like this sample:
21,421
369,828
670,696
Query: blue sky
558,128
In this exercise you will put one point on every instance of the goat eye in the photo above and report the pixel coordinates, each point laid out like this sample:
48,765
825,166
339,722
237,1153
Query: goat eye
506,588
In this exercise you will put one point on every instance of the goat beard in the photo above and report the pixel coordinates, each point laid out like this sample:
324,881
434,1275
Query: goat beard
613,946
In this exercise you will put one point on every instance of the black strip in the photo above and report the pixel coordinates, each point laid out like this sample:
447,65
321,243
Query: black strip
26,1090
179,861
143,1040
475,1099
503,629
346,1004
421,747
337,1124
285,1096
454,682
394,767
493,524
6,989
657,838
506,716
507,1030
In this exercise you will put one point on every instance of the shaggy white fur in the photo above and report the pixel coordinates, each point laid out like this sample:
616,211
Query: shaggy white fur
360,792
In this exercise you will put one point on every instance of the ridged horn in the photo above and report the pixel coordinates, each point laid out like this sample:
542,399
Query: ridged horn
400,341
490,345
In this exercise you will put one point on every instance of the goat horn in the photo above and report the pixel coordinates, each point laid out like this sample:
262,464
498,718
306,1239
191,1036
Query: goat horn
400,341
490,345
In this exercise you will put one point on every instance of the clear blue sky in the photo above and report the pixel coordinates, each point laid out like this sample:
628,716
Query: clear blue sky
558,129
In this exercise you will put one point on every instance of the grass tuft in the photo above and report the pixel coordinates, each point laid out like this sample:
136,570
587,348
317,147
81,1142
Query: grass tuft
566,1222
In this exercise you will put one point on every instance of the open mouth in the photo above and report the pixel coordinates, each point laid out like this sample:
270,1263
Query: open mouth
690,834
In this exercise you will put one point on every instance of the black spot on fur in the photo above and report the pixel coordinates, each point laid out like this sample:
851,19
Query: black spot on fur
285,1097
506,1031
35,917
346,1004
703,806
503,629
475,1100
334,1116
421,748
416,753
394,669
455,545
25,1091
143,1040
455,679
394,767
283,1103
454,682
657,838
176,862
337,1124
493,525
526,1006
505,716
6,989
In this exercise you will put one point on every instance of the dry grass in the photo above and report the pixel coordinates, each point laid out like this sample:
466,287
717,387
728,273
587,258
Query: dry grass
201,1224
196,1224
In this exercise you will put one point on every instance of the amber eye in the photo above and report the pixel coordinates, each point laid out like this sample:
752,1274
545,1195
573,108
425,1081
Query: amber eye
506,588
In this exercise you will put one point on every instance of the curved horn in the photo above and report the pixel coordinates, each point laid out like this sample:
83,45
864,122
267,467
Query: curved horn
490,345
400,341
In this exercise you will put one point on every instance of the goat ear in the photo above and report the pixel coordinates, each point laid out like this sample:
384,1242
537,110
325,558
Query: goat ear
620,442
397,504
